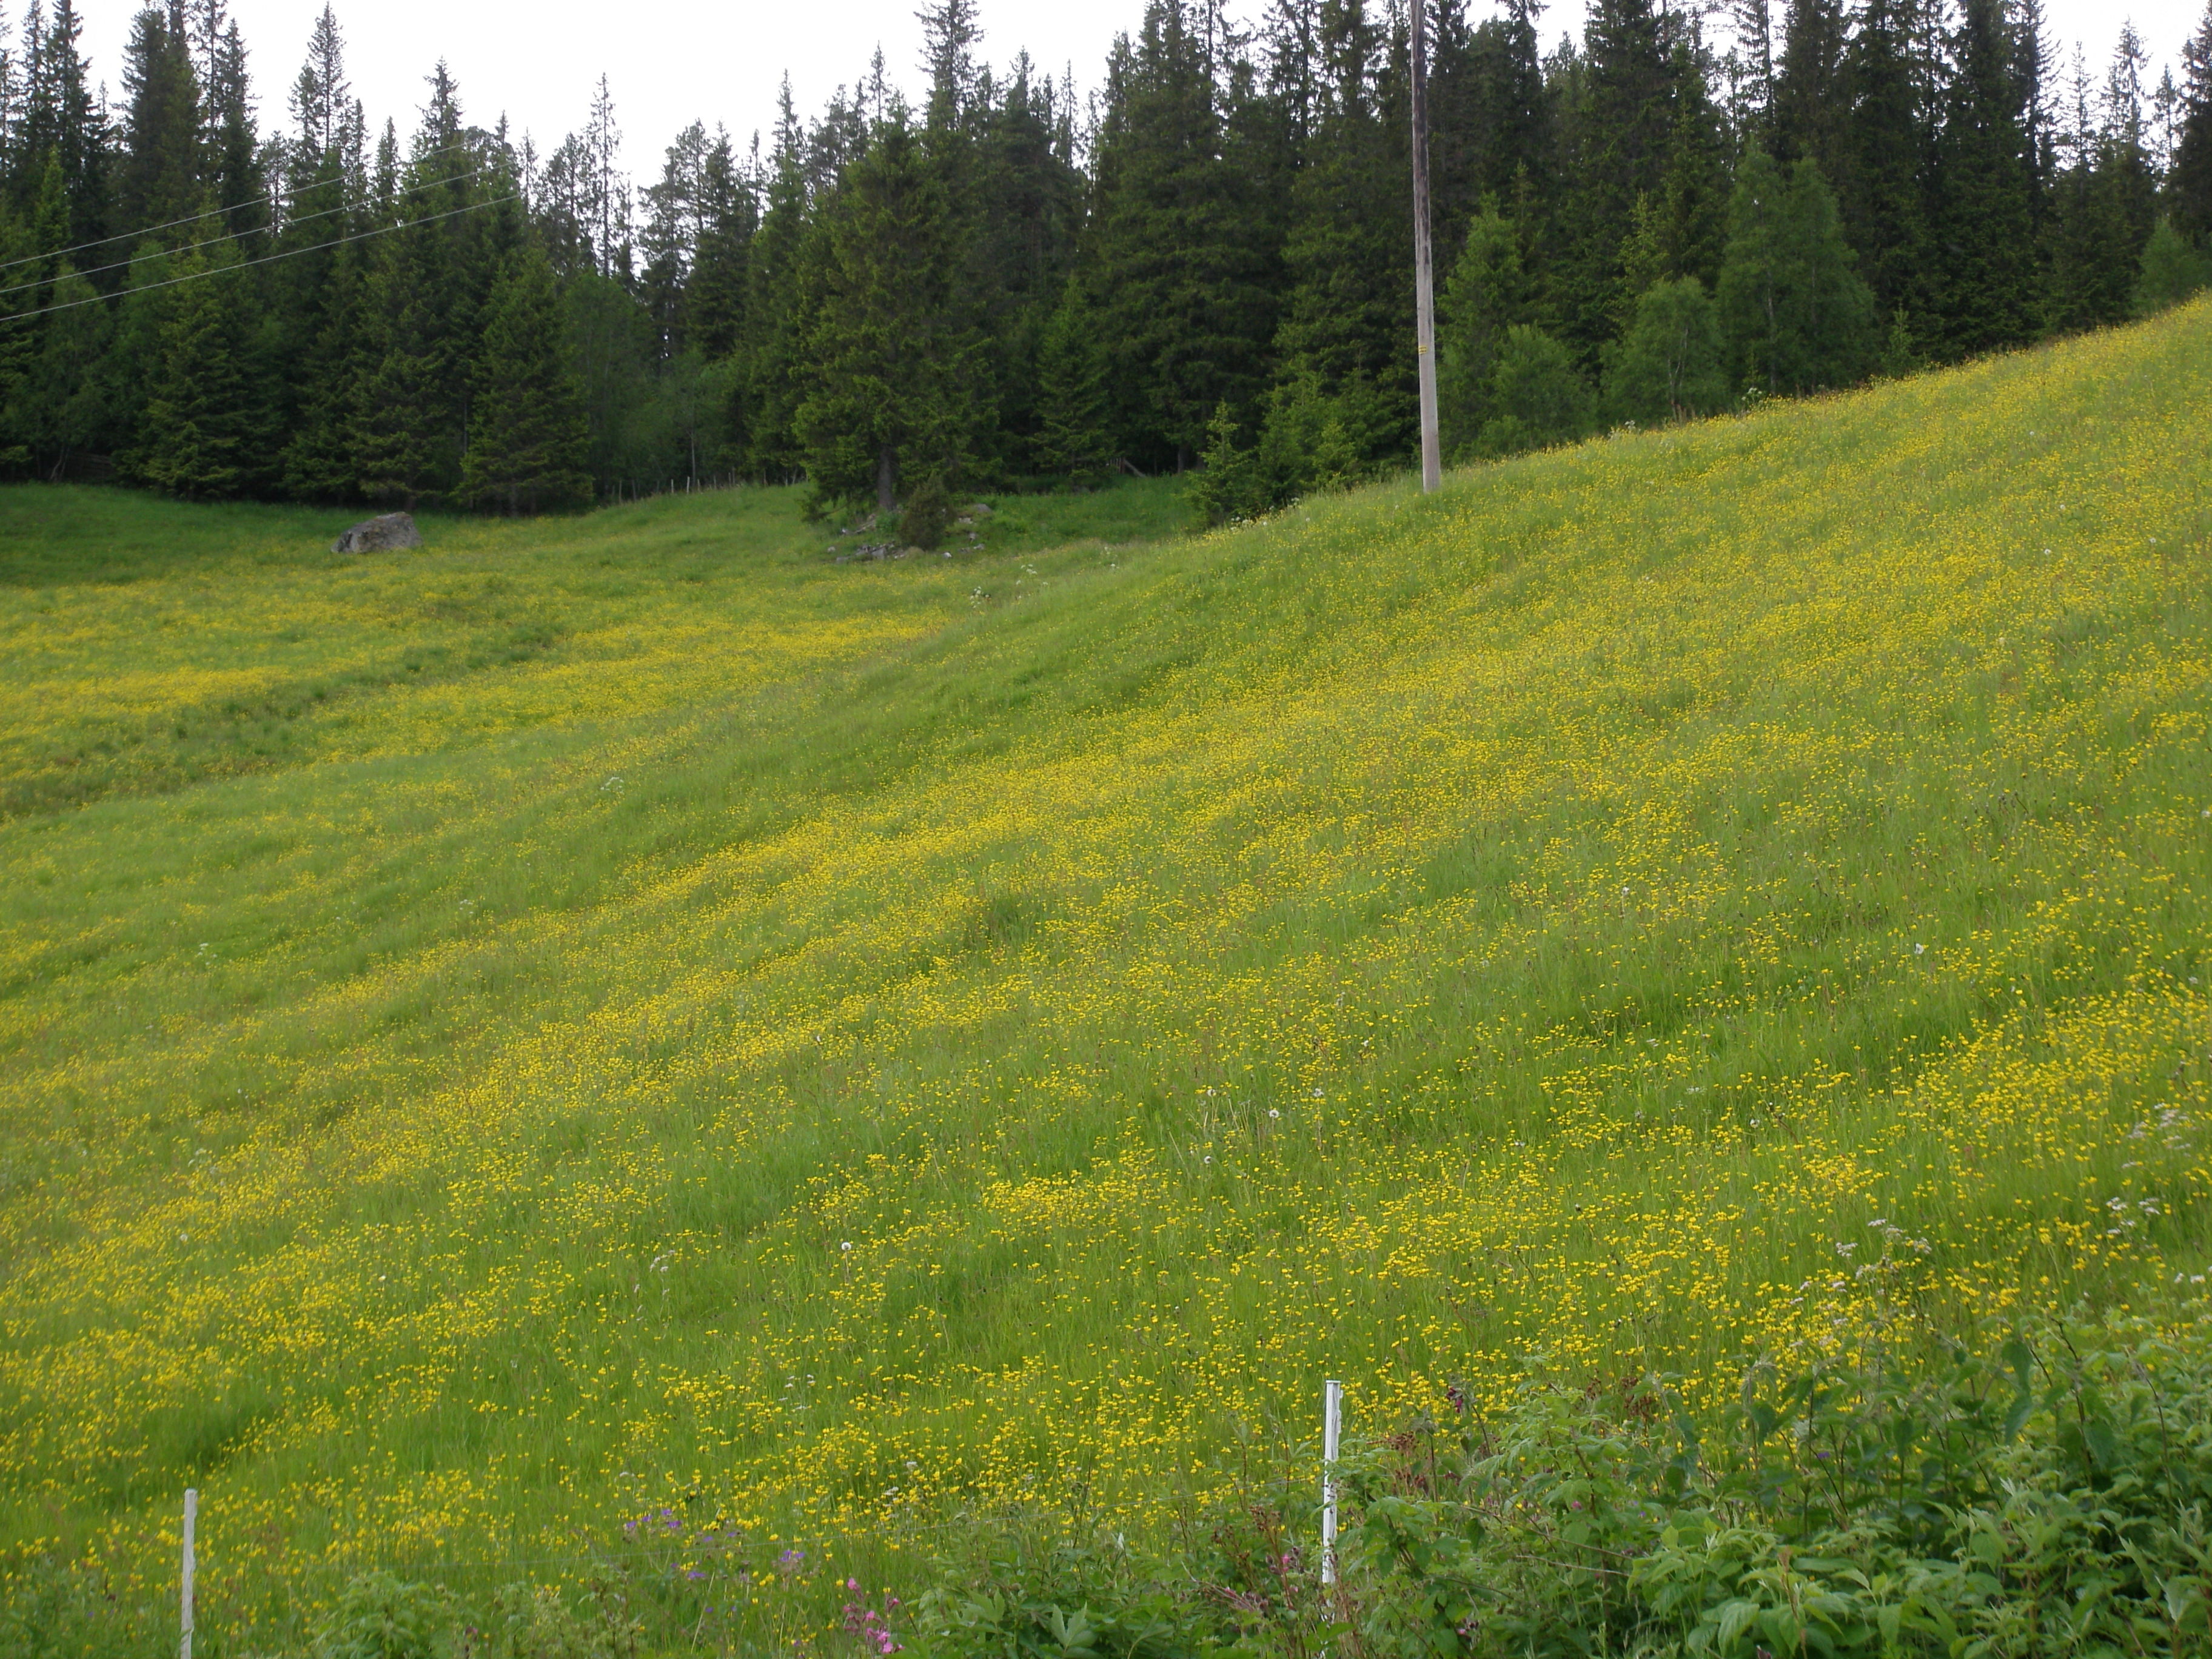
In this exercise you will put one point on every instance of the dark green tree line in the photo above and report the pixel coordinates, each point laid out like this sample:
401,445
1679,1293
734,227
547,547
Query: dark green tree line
1204,262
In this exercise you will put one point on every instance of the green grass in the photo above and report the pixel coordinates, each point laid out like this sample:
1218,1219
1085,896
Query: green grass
459,1007
181,577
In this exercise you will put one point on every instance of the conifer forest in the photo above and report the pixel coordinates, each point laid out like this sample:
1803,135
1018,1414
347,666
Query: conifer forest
217,289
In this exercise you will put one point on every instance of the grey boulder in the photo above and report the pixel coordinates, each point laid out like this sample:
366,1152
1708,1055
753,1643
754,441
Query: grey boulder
383,534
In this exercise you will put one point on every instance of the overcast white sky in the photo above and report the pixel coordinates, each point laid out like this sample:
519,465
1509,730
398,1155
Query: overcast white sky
669,63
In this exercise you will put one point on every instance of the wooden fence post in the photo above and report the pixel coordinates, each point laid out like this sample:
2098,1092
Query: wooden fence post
191,1522
1332,1414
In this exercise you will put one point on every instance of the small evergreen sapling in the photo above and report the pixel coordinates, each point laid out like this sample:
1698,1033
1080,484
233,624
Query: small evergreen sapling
1228,487
1309,441
929,515
1901,352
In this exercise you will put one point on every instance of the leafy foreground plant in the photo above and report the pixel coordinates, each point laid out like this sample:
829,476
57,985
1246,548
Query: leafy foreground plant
2045,1493
379,1616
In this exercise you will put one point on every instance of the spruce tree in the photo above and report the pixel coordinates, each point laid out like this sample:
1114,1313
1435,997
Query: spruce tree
1308,442
33,258
316,292
1493,122
67,414
950,35
323,461
1486,294
1075,437
202,438
160,179
134,360
2123,158
60,114
322,94
1812,109
50,365
1228,486
1882,194
1185,256
1350,305
2090,255
668,242
232,161
2027,25
892,353
1751,69
714,294
778,308
1023,211
2189,187
398,414
1988,280
1642,261
427,287
527,435
1692,204
615,354
1619,131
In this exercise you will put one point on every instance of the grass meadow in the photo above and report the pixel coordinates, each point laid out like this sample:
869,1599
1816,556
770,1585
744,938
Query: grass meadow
629,1014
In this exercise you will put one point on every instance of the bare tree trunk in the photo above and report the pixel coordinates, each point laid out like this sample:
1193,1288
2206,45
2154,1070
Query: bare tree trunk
886,478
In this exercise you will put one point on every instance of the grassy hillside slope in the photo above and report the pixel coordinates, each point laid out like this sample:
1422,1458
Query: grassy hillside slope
603,1013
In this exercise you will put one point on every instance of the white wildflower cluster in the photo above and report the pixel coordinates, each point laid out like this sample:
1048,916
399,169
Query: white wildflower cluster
1896,1238
2128,1214
2171,1126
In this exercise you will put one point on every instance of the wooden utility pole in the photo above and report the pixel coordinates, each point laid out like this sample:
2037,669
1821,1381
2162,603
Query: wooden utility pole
1424,274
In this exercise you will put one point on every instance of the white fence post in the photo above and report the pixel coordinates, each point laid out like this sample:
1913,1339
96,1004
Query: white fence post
1332,1417
191,1522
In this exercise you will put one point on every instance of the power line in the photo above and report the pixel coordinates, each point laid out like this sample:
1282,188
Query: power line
265,260
305,218
125,235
